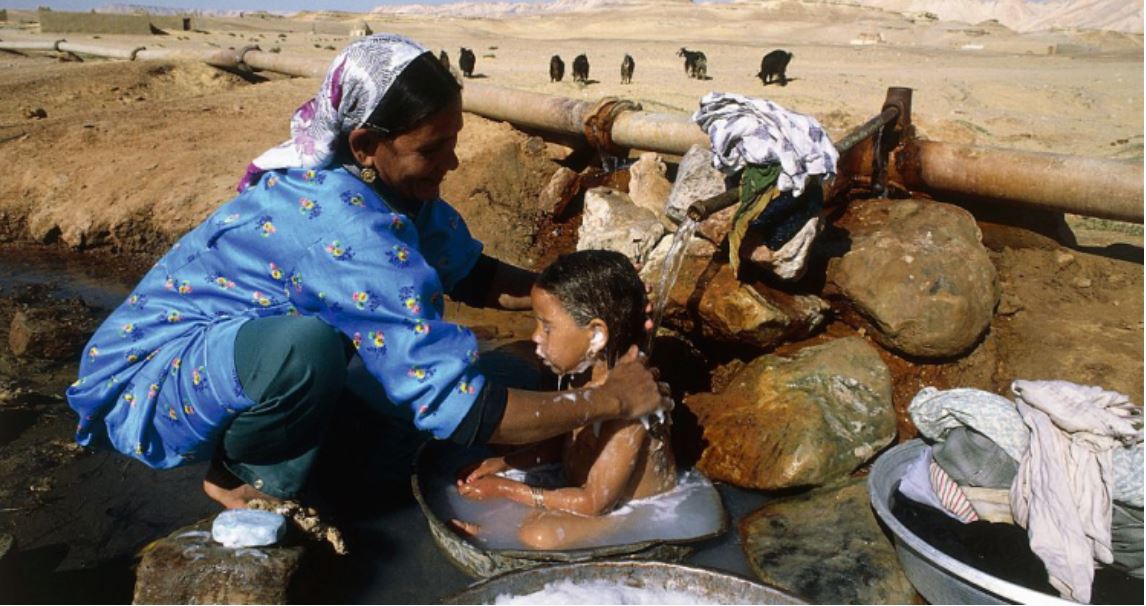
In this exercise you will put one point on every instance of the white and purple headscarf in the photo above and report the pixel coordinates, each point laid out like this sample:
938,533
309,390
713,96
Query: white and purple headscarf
356,81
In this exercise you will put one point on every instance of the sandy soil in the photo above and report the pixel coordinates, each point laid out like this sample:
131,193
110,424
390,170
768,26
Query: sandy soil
131,155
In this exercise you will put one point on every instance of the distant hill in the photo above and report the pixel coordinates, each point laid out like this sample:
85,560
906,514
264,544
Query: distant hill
1028,15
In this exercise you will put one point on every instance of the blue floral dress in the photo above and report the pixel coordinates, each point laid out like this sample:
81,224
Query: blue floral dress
158,380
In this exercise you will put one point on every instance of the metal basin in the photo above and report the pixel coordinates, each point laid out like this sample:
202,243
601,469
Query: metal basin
709,587
481,562
938,577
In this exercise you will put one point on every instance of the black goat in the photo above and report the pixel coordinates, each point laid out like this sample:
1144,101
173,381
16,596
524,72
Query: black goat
556,69
581,68
466,61
695,63
773,67
627,67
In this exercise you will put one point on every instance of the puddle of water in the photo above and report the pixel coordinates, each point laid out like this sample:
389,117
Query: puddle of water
101,282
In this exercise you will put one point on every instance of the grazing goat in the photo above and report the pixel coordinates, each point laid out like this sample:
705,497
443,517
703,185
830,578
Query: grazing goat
466,61
581,68
556,68
627,66
773,67
695,63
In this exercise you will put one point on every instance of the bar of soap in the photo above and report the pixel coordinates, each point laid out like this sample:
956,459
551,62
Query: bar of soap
248,528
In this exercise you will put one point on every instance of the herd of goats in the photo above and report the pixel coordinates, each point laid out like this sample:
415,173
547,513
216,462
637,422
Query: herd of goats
773,66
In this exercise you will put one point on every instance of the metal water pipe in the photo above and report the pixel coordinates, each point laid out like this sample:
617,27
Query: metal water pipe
1075,184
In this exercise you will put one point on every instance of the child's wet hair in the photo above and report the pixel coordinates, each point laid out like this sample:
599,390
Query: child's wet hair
599,284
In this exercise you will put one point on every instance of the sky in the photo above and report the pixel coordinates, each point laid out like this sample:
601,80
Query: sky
358,6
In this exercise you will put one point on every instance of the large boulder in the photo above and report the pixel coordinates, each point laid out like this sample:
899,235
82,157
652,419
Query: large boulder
612,222
826,547
917,273
801,421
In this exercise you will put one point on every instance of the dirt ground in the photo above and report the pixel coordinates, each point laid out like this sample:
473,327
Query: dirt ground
128,156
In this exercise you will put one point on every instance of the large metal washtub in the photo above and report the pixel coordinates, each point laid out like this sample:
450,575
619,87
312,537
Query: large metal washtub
709,587
938,577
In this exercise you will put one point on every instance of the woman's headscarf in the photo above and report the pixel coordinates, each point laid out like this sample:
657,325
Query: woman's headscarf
356,81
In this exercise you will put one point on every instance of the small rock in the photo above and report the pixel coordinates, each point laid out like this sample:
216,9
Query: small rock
1010,304
37,113
1081,282
696,179
1063,258
612,222
648,186
560,190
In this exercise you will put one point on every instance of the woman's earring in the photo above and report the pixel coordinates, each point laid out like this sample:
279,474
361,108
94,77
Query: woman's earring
368,174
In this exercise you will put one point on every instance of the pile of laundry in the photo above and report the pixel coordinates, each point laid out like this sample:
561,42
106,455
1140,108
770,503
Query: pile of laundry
782,159
1063,461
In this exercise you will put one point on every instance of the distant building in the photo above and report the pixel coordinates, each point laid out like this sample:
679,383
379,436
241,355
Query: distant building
361,30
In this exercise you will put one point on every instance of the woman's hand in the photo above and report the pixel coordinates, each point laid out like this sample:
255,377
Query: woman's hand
636,388
482,489
487,467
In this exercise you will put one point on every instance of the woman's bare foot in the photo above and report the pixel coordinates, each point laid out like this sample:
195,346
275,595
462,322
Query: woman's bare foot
229,491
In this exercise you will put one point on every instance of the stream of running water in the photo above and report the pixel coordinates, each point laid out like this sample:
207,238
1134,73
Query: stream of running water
669,272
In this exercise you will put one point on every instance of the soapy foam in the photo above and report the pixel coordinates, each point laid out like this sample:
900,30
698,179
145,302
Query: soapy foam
601,592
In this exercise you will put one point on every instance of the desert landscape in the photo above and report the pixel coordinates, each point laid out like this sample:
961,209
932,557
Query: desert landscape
108,162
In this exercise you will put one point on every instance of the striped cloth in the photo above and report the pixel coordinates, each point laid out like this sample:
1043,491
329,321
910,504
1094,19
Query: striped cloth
951,495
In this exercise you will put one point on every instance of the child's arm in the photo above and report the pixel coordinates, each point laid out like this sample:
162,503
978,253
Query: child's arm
609,475
526,458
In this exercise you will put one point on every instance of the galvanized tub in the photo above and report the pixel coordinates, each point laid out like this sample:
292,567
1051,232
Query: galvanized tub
709,586
480,562
938,577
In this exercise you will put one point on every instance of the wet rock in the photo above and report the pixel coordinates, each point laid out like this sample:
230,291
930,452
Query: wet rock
696,179
188,567
806,420
56,332
561,189
731,311
917,272
648,186
826,547
612,222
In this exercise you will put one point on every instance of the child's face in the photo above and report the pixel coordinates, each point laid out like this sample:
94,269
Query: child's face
561,343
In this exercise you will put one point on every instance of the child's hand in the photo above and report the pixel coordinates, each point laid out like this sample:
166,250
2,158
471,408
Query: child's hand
481,489
464,528
487,467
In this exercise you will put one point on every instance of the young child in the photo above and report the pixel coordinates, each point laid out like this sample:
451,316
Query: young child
590,308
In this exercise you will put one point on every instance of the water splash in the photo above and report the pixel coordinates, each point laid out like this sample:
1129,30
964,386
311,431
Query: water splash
670,269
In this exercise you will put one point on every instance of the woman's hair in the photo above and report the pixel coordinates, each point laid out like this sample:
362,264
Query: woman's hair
423,89
599,284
